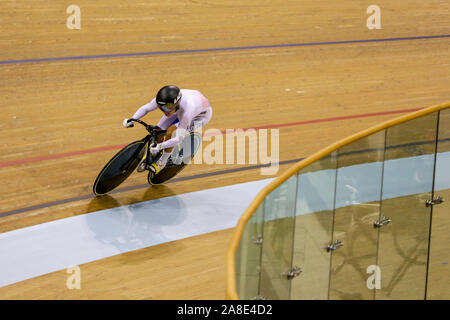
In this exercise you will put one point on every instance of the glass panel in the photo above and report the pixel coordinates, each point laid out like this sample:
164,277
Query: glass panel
313,229
358,194
278,233
439,269
407,184
248,257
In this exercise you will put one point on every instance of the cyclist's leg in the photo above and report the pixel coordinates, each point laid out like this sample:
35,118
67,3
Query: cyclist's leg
167,123
201,120
170,132
197,123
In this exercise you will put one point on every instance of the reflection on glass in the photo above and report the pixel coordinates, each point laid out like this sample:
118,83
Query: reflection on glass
358,194
313,229
407,184
438,269
248,257
277,240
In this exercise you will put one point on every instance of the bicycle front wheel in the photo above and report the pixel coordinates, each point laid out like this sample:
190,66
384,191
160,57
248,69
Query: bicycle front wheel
119,168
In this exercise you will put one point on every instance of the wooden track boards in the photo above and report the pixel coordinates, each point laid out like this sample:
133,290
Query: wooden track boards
69,106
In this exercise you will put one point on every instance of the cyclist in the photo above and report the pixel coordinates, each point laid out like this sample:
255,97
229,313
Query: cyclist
185,110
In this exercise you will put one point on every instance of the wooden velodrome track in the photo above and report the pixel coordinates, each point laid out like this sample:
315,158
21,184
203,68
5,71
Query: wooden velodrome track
61,120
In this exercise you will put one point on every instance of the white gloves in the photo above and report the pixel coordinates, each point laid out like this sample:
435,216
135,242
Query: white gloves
155,149
128,124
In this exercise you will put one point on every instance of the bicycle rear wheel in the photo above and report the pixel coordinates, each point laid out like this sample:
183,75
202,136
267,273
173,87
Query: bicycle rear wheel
119,167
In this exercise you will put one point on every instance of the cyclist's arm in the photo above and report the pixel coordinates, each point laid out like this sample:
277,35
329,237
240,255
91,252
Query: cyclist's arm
146,108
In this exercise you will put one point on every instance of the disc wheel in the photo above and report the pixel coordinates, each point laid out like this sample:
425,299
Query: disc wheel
119,168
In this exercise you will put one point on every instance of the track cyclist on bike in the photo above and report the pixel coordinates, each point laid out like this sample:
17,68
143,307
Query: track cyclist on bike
184,111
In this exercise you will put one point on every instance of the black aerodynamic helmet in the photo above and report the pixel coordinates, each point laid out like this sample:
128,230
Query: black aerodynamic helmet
167,97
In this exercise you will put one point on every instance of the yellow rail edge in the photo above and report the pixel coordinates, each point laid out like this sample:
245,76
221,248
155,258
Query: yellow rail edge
231,292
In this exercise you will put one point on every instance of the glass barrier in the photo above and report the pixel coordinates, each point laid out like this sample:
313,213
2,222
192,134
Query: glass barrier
368,220
439,270
248,256
407,185
278,234
313,229
358,195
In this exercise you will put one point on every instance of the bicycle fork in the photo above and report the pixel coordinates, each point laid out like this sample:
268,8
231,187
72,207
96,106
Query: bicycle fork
148,158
